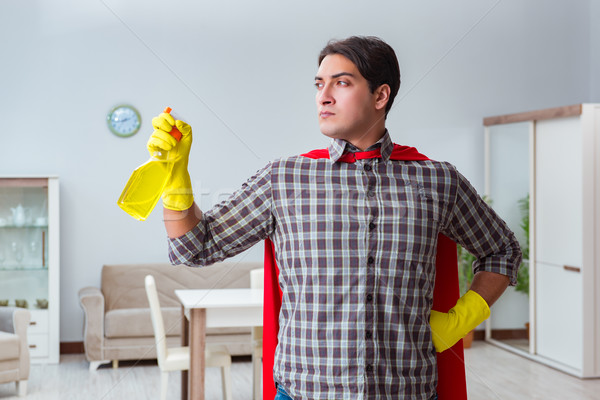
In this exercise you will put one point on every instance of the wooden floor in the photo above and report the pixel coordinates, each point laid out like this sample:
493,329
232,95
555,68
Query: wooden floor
492,374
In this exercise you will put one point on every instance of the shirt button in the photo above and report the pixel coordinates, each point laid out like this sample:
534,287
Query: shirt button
370,260
369,297
370,193
369,368
368,334
372,226
367,167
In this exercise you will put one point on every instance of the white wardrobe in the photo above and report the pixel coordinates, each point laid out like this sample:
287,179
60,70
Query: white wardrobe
563,179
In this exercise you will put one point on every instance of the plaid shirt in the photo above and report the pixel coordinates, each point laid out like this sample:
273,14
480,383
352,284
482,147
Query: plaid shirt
356,246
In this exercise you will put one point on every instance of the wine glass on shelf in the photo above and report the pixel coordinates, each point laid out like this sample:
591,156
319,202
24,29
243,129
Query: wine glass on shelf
17,253
2,258
34,250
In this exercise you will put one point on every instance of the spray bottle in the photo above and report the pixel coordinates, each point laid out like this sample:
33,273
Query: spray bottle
147,182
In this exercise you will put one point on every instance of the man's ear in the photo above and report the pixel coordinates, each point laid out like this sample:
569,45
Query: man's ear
382,96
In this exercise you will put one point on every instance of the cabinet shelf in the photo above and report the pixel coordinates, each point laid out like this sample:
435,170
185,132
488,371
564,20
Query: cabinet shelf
29,307
22,268
7,226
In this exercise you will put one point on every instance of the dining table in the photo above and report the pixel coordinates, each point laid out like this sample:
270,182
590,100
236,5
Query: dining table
212,308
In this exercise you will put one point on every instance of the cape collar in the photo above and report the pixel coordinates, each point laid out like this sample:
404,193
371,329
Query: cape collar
342,151
339,148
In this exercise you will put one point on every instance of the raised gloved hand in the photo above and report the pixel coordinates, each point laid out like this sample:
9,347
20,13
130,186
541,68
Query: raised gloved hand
177,194
448,328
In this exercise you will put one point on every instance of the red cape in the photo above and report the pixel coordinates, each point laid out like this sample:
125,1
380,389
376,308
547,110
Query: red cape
451,367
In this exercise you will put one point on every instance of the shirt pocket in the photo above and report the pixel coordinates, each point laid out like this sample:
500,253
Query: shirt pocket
424,204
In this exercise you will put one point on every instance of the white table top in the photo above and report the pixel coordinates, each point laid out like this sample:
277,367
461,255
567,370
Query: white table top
225,307
220,298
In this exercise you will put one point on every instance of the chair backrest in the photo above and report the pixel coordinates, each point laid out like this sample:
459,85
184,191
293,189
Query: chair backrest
257,278
157,320
257,281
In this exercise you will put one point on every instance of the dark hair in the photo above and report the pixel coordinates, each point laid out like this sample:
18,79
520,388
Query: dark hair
376,61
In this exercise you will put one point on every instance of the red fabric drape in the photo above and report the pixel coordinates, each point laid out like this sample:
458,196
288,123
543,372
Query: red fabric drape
272,305
452,383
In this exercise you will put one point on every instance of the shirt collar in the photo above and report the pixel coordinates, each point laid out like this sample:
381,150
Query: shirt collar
338,147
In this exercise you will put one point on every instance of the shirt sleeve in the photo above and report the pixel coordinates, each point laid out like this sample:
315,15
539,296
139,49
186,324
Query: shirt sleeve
475,226
230,227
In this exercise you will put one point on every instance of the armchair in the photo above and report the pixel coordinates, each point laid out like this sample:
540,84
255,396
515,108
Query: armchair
14,350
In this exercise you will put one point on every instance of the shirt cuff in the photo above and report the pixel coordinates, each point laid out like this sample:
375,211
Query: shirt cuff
183,249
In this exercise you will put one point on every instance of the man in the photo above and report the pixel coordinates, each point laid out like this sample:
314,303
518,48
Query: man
354,233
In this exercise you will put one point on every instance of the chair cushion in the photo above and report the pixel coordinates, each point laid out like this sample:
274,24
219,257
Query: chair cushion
136,322
10,346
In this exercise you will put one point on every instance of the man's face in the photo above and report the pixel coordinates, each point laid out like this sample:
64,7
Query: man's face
346,107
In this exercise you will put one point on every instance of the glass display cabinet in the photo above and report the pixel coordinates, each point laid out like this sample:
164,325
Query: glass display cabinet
508,184
29,259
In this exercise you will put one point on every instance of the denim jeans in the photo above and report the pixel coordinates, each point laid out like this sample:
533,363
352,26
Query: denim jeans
282,395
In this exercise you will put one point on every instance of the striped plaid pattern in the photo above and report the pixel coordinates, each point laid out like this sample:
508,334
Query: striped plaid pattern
356,245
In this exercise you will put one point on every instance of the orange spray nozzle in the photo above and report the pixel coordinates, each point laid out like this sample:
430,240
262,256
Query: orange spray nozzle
174,132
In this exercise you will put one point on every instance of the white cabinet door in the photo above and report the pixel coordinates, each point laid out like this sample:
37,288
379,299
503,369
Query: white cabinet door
558,184
558,229
559,315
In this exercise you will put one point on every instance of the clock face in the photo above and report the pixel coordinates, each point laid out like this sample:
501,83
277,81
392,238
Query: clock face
124,121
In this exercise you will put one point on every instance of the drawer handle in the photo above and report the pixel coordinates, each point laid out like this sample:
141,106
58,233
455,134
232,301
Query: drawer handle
33,323
32,346
569,268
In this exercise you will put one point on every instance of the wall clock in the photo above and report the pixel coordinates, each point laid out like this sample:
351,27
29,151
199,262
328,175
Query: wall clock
124,120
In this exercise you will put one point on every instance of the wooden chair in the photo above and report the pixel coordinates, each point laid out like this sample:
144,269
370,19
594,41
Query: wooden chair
178,358
257,281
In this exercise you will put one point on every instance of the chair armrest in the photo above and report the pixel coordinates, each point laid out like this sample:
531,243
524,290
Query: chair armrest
16,320
7,323
22,318
91,300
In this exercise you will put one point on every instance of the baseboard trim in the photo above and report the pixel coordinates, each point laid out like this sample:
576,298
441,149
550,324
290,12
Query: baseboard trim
502,334
505,334
479,335
71,347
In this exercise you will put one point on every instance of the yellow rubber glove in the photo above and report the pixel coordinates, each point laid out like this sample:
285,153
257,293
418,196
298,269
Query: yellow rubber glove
177,194
448,328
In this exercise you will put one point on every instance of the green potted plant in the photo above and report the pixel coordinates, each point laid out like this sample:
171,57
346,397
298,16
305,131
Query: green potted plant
465,268
523,275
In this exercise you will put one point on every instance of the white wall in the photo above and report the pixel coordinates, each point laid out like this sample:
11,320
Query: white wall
595,51
242,74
